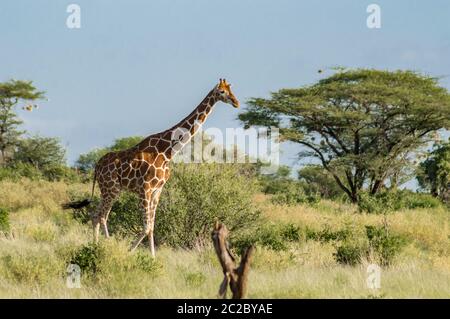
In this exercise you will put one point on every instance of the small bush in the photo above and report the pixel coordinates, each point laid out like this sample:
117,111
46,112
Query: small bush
88,257
272,239
194,279
380,246
144,261
386,246
18,170
417,200
293,193
376,204
326,234
275,237
290,232
4,220
61,173
349,254
316,179
395,200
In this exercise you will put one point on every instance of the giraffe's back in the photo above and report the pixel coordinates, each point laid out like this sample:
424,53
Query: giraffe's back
132,169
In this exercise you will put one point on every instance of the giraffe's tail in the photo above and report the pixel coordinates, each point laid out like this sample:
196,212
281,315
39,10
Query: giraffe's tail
76,204
81,203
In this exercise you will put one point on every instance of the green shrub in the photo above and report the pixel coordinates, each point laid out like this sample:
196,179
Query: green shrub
18,170
275,237
395,200
318,180
385,245
199,194
290,232
287,191
144,261
194,279
326,234
379,246
292,193
271,239
278,186
349,253
88,257
4,220
376,204
59,173
412,200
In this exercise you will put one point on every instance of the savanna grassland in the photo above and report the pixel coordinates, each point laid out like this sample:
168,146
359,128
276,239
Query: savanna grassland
41,240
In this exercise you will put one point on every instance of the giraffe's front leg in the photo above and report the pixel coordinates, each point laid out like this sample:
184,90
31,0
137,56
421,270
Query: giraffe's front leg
145,209
105,228
148,206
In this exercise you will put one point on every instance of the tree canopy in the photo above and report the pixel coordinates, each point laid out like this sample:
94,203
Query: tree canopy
40,152
11,94
362,125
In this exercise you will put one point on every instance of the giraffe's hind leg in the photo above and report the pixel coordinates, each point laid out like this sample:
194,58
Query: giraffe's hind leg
101,216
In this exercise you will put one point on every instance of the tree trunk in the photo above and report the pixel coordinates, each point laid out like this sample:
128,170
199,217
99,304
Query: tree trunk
354,197
2,159
376,186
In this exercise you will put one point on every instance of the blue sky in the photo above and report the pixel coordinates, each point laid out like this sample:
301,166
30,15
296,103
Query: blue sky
138,67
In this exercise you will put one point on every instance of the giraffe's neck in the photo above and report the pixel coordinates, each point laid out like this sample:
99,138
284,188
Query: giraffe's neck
193,122
180,134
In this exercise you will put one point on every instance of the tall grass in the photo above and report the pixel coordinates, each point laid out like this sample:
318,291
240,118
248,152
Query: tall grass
43,240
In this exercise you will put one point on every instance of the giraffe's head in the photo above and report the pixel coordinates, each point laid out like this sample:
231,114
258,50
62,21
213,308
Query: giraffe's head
223,91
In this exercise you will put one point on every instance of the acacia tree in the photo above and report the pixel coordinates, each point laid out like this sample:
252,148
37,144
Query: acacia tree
361,125
11,94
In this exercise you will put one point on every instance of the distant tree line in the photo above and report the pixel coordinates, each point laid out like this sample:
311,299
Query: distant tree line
365,130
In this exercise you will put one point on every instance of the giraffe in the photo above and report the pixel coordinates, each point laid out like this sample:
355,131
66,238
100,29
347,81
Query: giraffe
144,168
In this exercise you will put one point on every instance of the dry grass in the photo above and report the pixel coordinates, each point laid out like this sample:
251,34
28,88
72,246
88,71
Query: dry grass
35,253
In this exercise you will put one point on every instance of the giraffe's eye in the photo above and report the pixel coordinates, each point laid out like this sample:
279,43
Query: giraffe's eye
222,92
